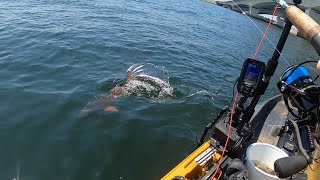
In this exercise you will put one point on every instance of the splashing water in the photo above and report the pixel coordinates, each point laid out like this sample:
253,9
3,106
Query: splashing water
149,80
149,69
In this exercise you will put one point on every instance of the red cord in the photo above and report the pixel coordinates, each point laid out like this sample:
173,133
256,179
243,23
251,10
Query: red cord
229,131
265,32
235,100
220,174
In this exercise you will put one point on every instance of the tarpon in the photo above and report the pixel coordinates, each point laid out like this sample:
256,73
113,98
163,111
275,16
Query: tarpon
105,103
134,83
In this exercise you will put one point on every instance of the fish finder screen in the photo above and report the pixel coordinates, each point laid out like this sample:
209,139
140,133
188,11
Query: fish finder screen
252,73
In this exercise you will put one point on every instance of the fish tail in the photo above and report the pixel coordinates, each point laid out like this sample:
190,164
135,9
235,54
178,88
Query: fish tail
129,77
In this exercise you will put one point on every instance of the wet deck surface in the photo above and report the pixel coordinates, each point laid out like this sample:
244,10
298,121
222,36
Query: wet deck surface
273,124
274,121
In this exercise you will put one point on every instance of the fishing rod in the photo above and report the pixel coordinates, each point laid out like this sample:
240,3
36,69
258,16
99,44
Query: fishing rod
234,132
309,28
253,82
243,12
258,87
255,89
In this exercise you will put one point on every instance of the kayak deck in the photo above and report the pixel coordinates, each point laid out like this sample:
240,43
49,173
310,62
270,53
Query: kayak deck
267,121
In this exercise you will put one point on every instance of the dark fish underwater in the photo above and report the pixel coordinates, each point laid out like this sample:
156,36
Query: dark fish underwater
105,103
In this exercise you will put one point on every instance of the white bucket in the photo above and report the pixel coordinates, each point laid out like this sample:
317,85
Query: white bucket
266,154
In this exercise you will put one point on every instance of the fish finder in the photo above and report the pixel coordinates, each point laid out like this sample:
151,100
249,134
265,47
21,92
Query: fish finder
250,77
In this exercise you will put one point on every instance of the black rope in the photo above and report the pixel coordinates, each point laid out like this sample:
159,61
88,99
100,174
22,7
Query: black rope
211,124
313,169
315,160
285,98
234,85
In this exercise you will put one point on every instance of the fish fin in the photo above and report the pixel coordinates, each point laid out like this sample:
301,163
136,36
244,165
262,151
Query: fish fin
111,109
129,77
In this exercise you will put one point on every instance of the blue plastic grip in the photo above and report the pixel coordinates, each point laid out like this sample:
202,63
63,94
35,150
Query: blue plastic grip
298,73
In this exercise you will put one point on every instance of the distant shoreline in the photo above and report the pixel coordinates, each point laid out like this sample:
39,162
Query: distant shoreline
293,31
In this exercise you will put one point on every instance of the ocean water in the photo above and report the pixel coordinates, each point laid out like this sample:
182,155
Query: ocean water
57,56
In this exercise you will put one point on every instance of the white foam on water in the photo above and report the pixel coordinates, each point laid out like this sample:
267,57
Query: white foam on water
150,81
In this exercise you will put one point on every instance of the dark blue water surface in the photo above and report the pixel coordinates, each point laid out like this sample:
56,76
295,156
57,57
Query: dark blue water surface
56,56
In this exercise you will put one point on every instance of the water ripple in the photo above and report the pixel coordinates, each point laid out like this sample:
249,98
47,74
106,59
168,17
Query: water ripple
56,56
